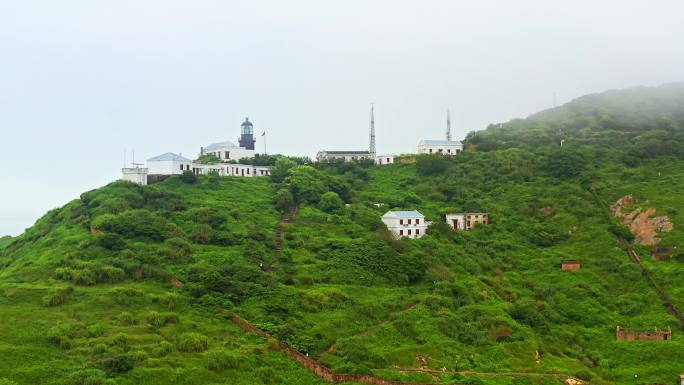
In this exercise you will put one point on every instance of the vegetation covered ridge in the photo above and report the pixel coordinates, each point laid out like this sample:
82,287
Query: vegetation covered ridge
86,295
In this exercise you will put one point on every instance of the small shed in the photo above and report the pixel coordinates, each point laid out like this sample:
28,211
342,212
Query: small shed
571,264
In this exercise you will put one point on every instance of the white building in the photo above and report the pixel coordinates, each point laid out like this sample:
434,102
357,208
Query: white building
227,150
384,159
168,164
466,221
135,174
409,224
347,156
231,169
444,147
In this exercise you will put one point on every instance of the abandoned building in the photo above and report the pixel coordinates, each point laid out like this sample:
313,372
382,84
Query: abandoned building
466,221
655,335
571,265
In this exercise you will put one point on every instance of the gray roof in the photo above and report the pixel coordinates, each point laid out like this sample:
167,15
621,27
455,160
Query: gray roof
440,142
218,145
169,156
346,152
405,214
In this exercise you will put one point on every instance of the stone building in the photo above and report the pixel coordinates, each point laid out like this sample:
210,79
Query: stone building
466,221
655,335
571,265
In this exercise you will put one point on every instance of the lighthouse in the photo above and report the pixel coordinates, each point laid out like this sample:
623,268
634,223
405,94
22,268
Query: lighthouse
247,135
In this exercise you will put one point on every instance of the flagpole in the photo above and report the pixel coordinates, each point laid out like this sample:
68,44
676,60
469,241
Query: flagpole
264,135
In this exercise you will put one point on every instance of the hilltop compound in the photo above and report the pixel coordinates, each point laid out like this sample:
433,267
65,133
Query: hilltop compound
164,165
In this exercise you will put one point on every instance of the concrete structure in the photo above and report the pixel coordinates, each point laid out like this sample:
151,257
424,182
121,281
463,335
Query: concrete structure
444,147
571,265
135,174
325,155
168,164
466,221
411,224
656,335
384,159
226,151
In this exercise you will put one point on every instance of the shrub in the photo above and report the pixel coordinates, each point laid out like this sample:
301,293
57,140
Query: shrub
126,318
89,377
330,202
221,360
188,177
162,349
119,364
192,343
85,277
99,349
4,381
202,234
283,199
56,297
120,340
431,164
97,330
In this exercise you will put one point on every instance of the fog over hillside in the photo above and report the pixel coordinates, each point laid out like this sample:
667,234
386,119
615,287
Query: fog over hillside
82,81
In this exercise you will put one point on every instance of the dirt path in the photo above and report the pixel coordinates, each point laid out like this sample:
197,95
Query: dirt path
278,235
373,327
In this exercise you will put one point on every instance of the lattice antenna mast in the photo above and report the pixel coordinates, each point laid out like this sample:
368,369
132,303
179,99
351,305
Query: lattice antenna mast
448,131
372,131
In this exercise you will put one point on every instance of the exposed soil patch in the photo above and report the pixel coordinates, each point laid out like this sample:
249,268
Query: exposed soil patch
642,222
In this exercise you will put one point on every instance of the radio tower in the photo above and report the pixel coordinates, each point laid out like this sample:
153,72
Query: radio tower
372,131
448,133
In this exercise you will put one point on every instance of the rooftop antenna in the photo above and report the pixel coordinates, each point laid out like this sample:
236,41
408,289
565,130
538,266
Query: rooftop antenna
124,158
372,130
448,131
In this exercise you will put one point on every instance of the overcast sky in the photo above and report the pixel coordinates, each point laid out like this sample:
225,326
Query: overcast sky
80,81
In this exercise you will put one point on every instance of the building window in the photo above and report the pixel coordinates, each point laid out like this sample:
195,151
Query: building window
401,232
417,221
181,167
387,160
409,222
417,231
401,221
409,232
449,150
247,171
227,154
430,151
440,150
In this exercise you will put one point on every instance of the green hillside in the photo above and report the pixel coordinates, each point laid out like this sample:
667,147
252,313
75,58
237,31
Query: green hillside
137,285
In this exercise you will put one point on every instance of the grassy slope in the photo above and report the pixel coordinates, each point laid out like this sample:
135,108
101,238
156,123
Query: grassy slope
93,319
581,309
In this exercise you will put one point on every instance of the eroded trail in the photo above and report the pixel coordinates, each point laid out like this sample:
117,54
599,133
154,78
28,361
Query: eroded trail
375,326
328,375
278,235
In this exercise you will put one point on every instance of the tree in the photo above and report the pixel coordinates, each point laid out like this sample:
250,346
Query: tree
330,202
189,177
431,164
306,183
284,199
282,168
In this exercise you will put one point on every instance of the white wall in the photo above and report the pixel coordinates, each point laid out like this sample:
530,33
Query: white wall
167,167
233,153
400,230
443,149
135,175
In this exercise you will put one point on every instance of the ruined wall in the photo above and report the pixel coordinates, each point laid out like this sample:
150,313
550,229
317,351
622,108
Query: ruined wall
571,265
655,335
